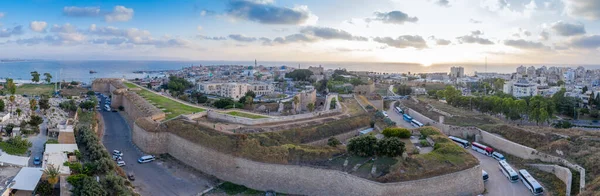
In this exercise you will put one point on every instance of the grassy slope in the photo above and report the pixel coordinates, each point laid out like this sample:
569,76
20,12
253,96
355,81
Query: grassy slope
246,115
170,107
35,89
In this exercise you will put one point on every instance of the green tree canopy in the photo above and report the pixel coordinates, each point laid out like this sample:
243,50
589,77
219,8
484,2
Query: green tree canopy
35,76
364,146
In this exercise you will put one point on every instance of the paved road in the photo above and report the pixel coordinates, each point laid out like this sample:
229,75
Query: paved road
151,178
398,118
37,144
498,184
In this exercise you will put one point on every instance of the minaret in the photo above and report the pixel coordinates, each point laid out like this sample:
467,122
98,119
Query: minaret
255,64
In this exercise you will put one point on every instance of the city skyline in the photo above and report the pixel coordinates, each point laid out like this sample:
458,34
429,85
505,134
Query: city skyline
425,32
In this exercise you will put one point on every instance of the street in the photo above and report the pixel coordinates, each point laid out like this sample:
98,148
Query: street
497,183
154,178
37,144
400,122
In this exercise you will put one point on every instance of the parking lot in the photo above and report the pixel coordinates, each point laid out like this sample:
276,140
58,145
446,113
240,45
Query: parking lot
498,184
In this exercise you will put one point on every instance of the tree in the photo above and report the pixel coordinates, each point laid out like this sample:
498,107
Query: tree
47,77
103,165
90,93
333,103
299,74
2,106
44,104
177,85
333,142
584,89
114,185
44,188
52,173
88,186
35,120
251,94
594,113
560,83
363,146
33,105
18,112
391,147
35,76
88,105
403,89
248,100
396,132
311,107
11,86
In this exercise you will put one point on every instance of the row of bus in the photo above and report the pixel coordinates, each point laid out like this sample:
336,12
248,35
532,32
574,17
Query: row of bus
408,118
534,187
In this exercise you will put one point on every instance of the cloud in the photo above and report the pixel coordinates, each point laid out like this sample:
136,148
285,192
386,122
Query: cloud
38,26
474,21
66,28
474,38
199,28
393,17
7,32
211,38
241,38
331,33
119,14
267,13
2,14
523,44
588,9
280,30
405,41
81,11
353,50
295,38
544,35
568,29
586,42
130,33
442,42
443,3
109,41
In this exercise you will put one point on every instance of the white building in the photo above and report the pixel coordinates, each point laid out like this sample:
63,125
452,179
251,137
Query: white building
457,72
521,70
235,90
521,88
531,72
261,88
56,155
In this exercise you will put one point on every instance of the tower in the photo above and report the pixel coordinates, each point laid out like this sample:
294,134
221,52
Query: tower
255,63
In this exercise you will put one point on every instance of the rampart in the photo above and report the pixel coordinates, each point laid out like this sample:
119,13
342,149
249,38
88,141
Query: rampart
296,179
149,135
219,116
562,173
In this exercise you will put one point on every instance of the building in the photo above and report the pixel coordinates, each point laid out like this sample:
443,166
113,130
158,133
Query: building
25,182
56,155
521,70
521,88
316,70
457,72
261,88
235,90
531,72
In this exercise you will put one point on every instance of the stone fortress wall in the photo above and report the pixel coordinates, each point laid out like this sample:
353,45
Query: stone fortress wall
291,179
509,147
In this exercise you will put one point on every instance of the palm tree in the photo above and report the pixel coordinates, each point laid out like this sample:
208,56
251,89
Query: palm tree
12,101
18,112
52,174
296,101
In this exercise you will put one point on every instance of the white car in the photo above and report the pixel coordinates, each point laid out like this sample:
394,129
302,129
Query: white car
117,158
120,163
117,153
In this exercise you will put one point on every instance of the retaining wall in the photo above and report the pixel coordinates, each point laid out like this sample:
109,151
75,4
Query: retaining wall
505,145
341,137
562,173
215,115
301,180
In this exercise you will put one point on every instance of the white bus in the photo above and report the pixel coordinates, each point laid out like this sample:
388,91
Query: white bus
531,183
398,110
461,142
482,148
508,171
416,123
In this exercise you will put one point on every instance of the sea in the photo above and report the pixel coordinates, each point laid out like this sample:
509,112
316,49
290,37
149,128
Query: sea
80,70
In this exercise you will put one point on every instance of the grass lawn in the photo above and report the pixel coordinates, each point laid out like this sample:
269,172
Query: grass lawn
170,107
35,89
246,115
234,189
130,85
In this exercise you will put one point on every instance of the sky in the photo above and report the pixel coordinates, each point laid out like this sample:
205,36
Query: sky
403,31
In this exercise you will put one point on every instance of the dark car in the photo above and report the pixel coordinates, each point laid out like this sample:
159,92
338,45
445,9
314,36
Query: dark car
130,176
37,161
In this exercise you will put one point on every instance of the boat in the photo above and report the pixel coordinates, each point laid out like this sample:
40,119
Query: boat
93,72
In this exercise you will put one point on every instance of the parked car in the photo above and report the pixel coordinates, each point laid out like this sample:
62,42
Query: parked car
37,161
117,158
130,176
117,153
120,163
146,159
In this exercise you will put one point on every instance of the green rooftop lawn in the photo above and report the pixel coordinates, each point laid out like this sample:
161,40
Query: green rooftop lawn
170,107
35,89
246,115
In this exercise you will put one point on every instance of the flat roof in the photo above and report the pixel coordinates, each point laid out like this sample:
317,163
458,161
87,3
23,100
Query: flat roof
52,148
27,179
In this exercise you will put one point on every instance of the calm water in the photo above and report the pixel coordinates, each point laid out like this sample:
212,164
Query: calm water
79,70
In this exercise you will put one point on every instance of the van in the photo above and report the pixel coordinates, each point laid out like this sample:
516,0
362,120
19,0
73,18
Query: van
485,175
146,159
498,156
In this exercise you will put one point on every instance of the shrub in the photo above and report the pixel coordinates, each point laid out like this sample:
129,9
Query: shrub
396,132
424,143
44,188
333,142
427,131
389,122
363,146
390,147
15,146
35,120
379,115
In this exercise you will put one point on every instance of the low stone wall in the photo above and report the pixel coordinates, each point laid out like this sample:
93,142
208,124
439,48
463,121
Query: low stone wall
562,173
215,115
342,137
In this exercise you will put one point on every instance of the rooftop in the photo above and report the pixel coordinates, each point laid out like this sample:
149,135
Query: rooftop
27,179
